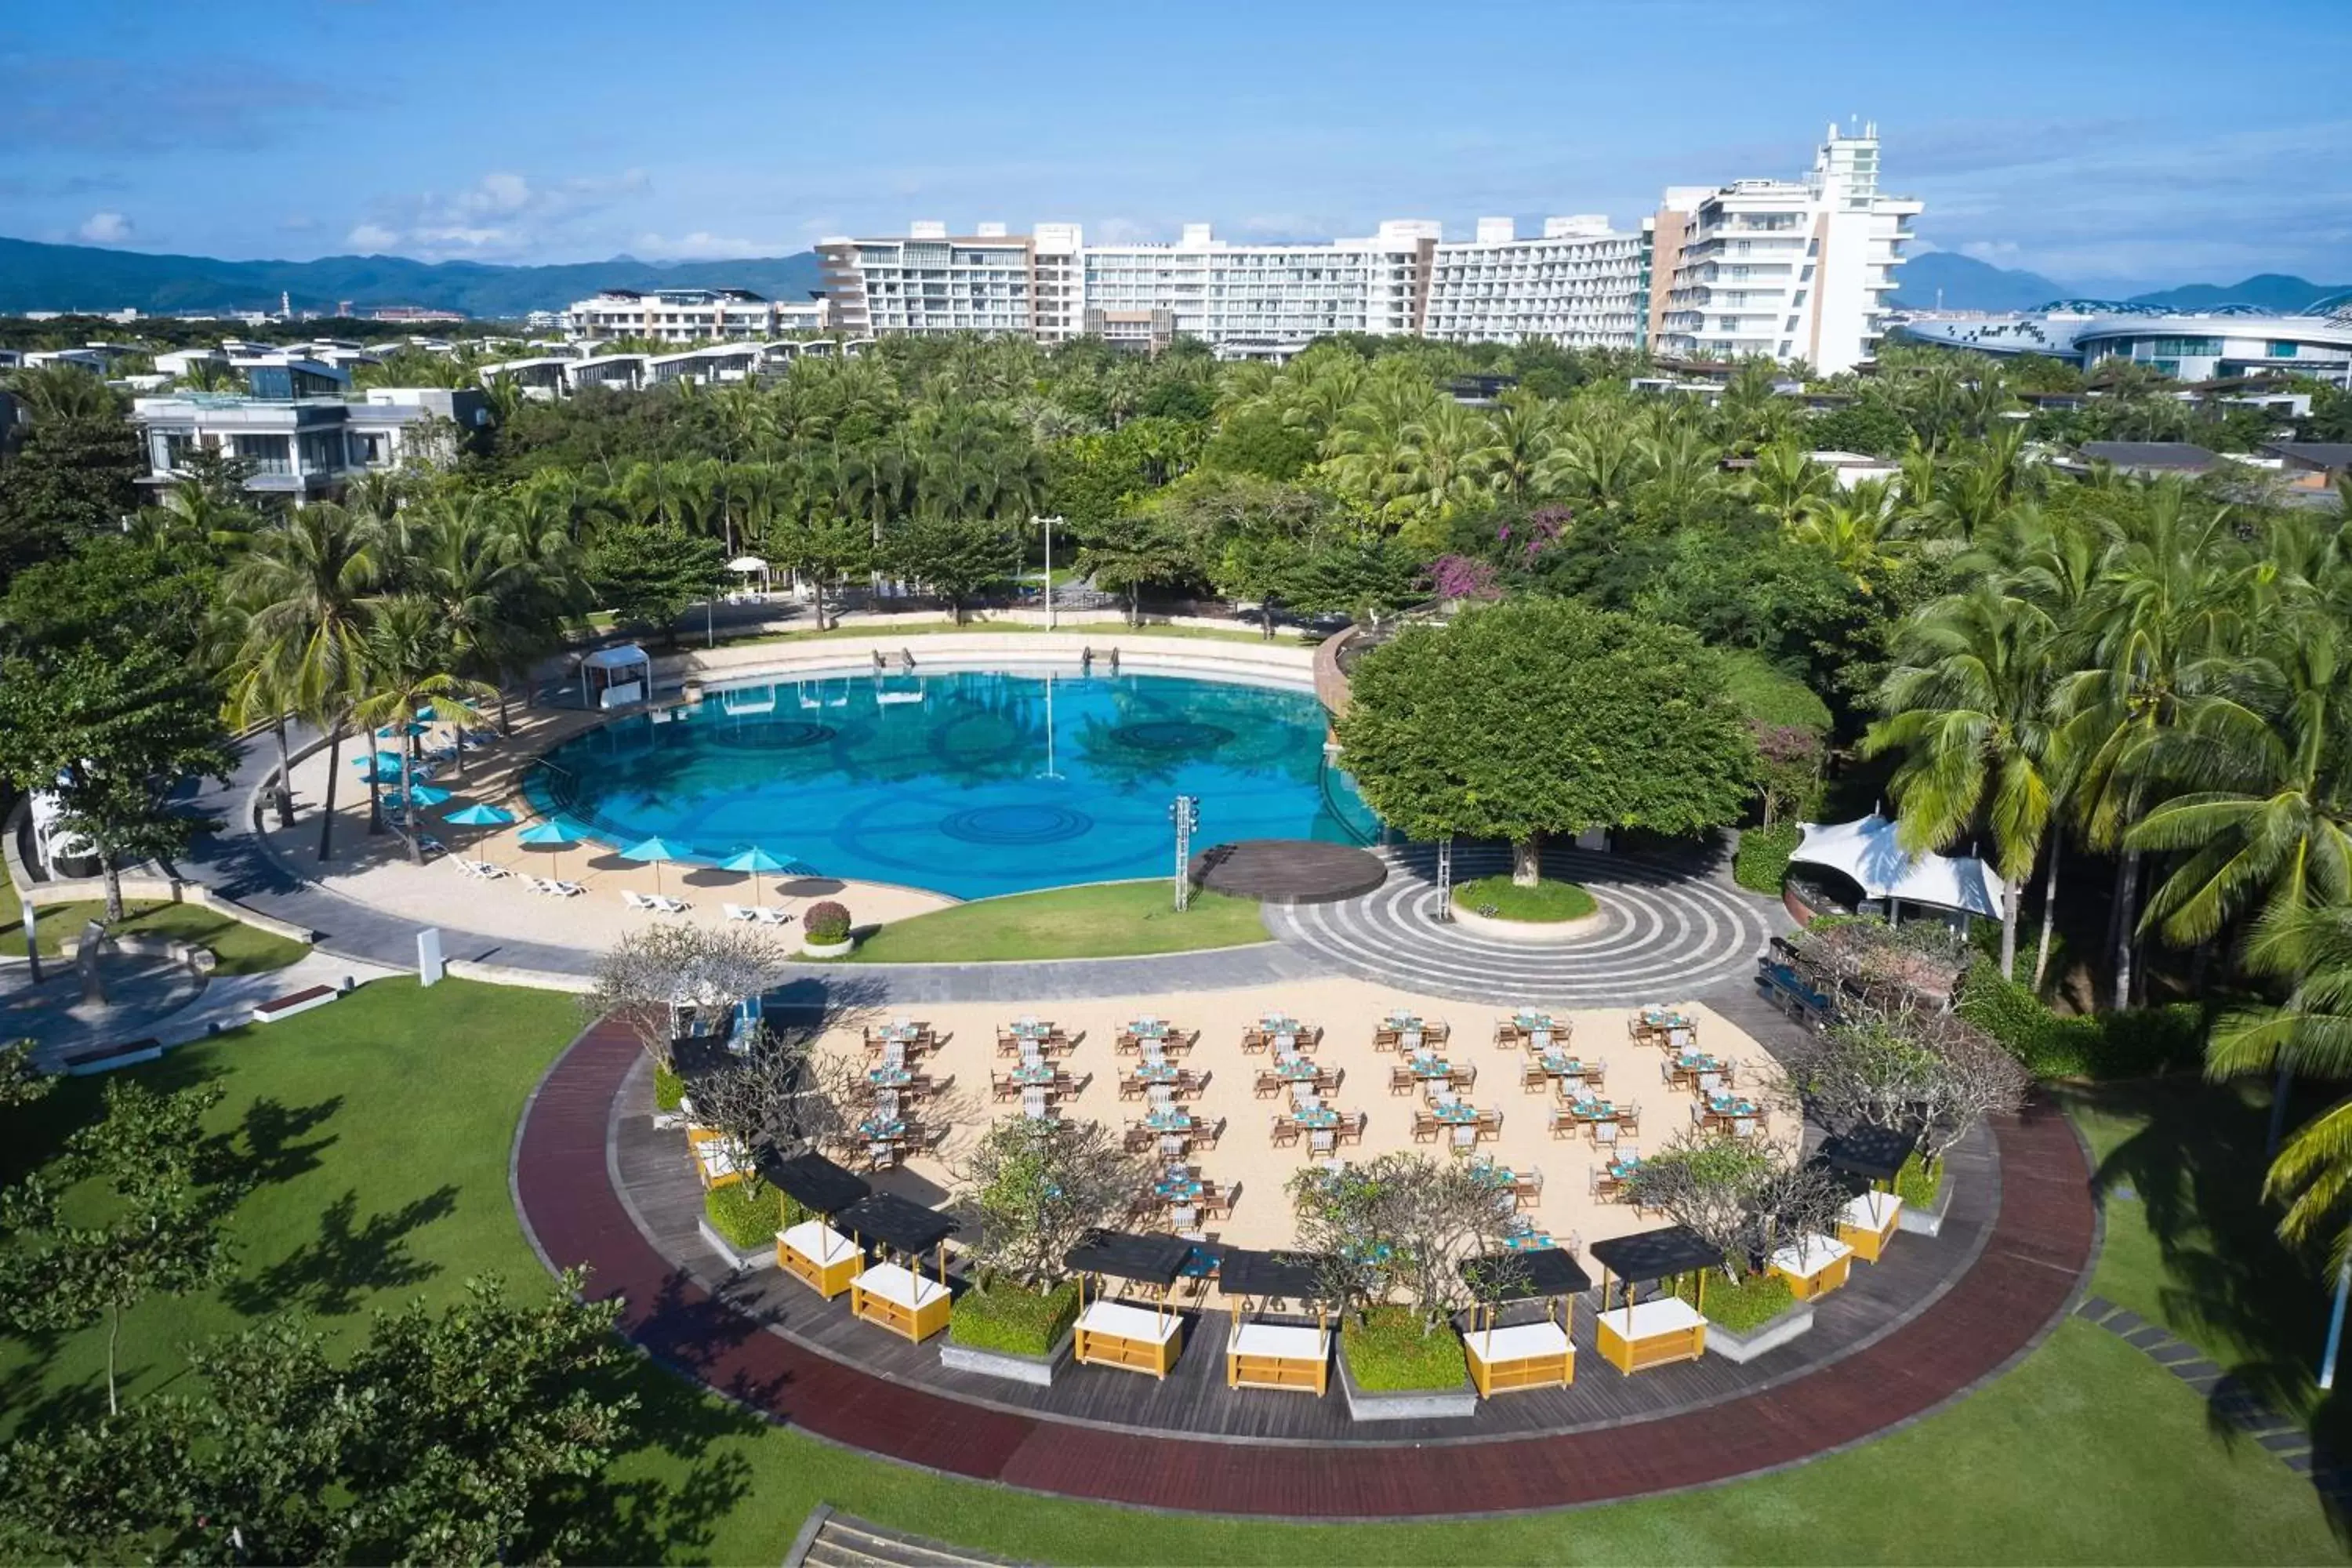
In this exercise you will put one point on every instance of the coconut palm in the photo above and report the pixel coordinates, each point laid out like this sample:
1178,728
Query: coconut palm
1967,708
61,391
408,666
304,588
1856,532
1786,482
1526,430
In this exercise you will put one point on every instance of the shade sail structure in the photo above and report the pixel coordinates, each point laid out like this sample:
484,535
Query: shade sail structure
1875,1153
1289,1274
1539,1271
1659,1254
895,1223
814,1182
747,563
1866,851
1149,1259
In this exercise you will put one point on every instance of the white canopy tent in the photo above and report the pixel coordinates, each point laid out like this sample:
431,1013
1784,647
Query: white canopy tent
617,677
1867,852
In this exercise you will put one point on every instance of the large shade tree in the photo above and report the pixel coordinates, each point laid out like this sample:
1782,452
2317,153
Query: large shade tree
1541,716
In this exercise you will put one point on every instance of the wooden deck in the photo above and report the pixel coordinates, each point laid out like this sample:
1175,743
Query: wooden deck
2032,1237
1194,1398
1289,870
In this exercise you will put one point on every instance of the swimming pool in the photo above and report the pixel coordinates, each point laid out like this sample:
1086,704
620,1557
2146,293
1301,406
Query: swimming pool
967,782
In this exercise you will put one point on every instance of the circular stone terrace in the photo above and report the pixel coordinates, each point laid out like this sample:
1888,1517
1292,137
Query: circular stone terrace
597,1183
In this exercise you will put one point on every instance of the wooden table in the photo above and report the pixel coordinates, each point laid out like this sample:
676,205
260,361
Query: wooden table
1278,1355
892,1297
1116,1334
1816,1269
1655,1333
1523,1355
819,1257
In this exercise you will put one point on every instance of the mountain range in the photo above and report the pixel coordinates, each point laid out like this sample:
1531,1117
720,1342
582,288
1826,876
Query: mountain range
37,277
1948,280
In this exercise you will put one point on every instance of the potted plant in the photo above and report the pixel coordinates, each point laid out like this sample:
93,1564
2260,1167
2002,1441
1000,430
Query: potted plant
1034,1189
825,931
1391,1236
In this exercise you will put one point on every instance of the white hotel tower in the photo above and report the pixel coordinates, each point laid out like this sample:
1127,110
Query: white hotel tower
1791,269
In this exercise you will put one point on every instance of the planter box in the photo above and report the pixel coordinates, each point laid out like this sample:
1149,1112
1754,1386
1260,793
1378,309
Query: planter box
1532,932
1928,1221
1037,1370
1743,1348
1406,1404
740,1262
278,1007
841,949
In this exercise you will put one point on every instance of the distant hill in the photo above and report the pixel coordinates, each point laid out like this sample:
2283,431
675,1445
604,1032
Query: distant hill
2268,291
1967,284
35,277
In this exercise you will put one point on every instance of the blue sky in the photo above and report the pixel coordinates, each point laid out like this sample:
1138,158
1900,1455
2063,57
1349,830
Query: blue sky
2150,143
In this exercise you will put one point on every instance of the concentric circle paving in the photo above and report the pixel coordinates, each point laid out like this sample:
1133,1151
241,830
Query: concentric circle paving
1664,932
2031,1256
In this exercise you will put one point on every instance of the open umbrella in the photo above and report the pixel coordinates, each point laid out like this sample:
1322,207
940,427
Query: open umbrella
755,860
656,849
428,795
412,728
548,836
478,816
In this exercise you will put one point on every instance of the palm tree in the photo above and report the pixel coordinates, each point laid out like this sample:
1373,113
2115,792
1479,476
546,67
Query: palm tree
305,586
409,667
2309,1034
1526,430
1967,705
1787,482
63,391
1856,532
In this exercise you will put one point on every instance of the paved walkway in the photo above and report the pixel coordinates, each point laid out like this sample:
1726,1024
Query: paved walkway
2024,1282
1665,931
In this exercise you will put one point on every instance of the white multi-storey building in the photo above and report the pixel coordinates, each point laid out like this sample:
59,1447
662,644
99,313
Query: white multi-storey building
1795,269
694,315
1581,284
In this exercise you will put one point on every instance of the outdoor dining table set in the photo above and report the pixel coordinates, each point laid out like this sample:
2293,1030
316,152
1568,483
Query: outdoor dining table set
1326,1127
1533,1031
1734,1113
1668,1026
1603,1121
1154,1037
1696,1070
1033,1037
1523,1187
1171,1129
1570,1072
1294,1069
907,1034
1428,1068
1610,1178
1182,1083
1408,1031
1185,1196
1461,1123
1281,1033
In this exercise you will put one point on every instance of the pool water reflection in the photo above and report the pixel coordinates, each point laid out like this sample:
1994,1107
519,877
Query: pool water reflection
968,782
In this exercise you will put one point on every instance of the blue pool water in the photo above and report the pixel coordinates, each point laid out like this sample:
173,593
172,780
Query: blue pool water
970,783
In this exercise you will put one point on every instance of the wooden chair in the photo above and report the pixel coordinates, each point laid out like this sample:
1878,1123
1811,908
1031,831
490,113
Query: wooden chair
1217,1202
1328,1080
1533,1079
1131,1087
1490,1126
1508,1034
1189,1085
1401,1080
1255,1041
1603,1187
1266,1085
1001,1087
1563,1122
1424,1125
1351,1127
1629,1120
1284,1131
1138,1139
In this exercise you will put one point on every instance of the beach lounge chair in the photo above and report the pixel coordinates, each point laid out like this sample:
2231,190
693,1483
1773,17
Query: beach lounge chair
768,917
564,889
743,912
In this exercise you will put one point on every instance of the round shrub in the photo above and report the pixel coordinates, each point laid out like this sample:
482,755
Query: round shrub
827,921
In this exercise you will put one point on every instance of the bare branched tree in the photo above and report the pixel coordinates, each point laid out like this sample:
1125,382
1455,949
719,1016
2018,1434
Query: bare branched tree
1793,1206
1403,1223
652,976
1909,1066
1710,1184
1036,1188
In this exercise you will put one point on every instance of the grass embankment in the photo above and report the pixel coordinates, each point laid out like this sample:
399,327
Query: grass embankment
242,949
1108,920
379,1128
1499,897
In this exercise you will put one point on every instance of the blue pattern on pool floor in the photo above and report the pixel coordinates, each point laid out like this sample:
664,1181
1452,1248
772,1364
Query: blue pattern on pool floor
958,781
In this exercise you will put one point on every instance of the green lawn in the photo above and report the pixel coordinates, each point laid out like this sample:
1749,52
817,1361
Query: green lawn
242,949
380,1128
1105,921
1547,900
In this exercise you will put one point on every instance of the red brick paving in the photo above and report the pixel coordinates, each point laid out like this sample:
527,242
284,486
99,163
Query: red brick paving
2040,1243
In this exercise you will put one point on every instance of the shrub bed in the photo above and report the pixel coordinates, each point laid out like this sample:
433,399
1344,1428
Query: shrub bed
1502,900
827,921
1917,1185
669,1089
1763,857
1743,1307
1012,1320
1388,1353
746,1212
2137,1043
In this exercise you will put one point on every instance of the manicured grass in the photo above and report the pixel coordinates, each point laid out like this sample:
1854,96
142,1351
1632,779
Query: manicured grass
1743,1307
748,1213
1104,921
1387,1352
241,948
1547,900
380,1129
1018,1322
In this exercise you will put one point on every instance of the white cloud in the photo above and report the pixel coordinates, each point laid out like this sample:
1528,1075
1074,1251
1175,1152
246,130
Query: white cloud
500,215
1994,252
372,236
703,246
104,228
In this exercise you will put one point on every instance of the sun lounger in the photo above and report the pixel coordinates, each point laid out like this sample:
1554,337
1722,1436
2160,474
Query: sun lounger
658,903
743,912
768,917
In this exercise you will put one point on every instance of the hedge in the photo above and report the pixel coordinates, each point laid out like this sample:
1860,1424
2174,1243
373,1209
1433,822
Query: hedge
1005,1317
1763,857
669,1089
2135,1043
1741,1309
1388,1352
746,1212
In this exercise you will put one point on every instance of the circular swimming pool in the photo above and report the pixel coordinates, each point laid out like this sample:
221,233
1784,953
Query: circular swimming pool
967,782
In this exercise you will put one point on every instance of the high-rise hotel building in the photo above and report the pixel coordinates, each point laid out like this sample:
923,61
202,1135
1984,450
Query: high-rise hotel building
1792,269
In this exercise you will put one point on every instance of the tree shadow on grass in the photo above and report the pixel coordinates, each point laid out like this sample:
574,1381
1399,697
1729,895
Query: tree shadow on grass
350,1259
2255,1305
639,1518
272,1150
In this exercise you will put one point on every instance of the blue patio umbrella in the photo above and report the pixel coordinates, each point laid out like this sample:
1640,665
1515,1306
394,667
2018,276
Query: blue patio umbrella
656,849
479,817
389,730
755,860
549,835
380,758
428,795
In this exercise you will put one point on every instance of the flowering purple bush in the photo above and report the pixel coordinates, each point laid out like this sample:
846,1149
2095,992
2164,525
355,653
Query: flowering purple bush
1545,527
1464,577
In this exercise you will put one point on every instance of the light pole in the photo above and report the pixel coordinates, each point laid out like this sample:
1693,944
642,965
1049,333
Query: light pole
1185,812
1049,521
